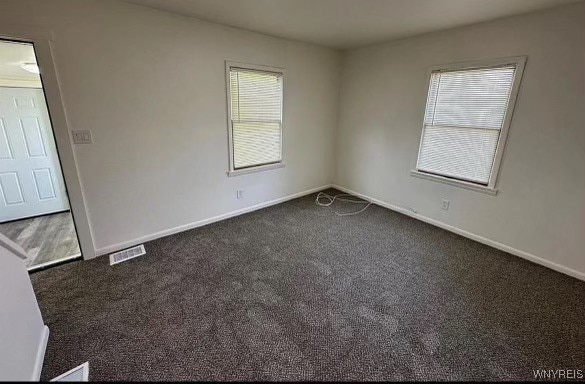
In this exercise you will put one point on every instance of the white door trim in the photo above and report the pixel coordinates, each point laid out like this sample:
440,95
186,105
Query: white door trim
43,41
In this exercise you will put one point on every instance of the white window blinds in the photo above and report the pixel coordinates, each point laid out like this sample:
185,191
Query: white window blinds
464,115
256,117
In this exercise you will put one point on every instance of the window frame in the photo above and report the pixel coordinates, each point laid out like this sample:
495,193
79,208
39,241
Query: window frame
232,171
491,187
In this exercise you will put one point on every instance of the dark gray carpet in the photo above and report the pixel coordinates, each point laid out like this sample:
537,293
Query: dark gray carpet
294,292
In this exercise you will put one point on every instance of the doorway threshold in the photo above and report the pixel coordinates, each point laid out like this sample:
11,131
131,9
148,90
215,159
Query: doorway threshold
54,263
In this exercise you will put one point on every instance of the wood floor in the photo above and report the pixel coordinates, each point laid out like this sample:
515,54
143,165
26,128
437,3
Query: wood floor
44,238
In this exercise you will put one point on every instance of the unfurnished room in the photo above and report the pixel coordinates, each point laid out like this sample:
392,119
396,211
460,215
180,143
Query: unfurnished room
292,190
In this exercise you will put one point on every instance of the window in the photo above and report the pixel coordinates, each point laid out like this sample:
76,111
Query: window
255,113
467,115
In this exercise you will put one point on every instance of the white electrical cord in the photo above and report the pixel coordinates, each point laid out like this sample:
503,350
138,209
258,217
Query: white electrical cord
341,197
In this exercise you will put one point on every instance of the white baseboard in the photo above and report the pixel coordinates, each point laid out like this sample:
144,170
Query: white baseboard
36,375
516,252
200,223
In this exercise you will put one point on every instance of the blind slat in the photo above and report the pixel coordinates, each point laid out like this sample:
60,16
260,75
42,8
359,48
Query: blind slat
256,115
464,115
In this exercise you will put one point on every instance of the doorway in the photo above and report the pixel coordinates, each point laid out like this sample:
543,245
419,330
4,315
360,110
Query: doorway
34,205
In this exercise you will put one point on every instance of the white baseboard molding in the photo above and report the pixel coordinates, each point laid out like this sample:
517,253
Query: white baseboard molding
200,223
40,358
472,236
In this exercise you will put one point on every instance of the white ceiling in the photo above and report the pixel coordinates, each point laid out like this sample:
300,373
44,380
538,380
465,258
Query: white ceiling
12,55
348,23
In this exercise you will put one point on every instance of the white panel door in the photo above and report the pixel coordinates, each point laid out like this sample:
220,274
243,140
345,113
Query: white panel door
31,182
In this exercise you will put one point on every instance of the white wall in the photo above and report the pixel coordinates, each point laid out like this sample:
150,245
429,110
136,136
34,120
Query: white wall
11,72
151,87
540,207
23,335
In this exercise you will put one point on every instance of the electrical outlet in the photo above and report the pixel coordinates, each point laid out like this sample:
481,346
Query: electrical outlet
239,194
444,204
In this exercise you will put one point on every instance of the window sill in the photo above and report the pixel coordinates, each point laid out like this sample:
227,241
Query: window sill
457,183
259,168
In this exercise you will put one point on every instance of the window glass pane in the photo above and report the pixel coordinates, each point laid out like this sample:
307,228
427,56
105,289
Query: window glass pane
256,96
256,105
472,98
464,114
463,153
256,143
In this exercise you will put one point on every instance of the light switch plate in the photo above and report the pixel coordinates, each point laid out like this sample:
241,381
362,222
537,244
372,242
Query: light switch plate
82,136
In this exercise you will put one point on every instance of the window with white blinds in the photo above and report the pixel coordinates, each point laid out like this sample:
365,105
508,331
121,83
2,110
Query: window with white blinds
255,98
465,114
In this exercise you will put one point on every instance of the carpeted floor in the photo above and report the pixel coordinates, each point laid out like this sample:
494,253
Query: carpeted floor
294,292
